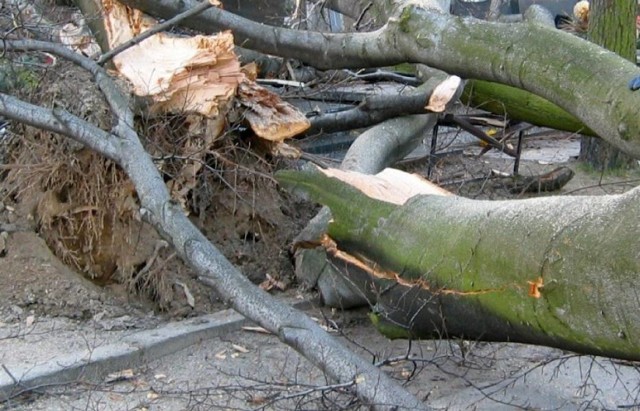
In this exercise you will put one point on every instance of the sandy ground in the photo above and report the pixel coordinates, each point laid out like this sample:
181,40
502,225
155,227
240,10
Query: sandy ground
249,370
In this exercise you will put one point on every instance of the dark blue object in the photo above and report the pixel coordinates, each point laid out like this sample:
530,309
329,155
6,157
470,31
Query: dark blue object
634,84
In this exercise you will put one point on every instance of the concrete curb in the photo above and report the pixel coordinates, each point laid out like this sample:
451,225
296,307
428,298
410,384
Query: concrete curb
132,351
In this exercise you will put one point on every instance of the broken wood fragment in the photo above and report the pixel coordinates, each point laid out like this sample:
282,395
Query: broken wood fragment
270,118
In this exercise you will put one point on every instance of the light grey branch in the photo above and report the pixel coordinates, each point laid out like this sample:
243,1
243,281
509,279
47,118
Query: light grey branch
321,50
60,122
107,86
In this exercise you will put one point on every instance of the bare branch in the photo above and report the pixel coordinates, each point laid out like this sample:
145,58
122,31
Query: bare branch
377,108
61,122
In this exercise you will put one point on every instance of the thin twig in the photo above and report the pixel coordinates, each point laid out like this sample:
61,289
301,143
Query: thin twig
105,83
324,388
468,127
356,25
154,30
15,381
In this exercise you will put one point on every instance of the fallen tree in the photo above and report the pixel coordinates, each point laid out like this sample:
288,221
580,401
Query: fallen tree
424,33
406,37
164,87
122,146
557,271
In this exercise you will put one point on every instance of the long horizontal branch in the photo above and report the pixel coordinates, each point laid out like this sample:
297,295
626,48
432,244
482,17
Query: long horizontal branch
584,79
61,122
321,50
372,110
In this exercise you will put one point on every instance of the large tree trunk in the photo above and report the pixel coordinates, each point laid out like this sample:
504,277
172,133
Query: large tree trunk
558,271
612,25
416,31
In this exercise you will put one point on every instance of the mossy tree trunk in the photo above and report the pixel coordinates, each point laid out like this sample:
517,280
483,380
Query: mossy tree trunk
521,105
556,271
612,25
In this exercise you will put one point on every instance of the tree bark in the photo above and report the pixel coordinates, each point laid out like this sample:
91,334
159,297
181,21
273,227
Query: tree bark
612,25
557,271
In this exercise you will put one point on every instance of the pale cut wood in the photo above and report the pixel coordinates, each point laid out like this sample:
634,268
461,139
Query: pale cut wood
197,74
389,185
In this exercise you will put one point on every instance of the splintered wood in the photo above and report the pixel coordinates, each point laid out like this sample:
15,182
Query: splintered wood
194,75
390,185
270,118
197,74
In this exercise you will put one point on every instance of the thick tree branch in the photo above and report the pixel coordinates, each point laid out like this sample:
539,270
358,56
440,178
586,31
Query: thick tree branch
375,109
378,147
584,79
60,122
117,103
321,50
449,265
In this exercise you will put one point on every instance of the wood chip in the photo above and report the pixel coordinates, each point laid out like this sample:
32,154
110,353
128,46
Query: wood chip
3,243
240,348
123,375
256,330
190,300
269,116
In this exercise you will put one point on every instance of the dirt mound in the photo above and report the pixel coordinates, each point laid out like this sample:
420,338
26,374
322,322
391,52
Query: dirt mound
87,211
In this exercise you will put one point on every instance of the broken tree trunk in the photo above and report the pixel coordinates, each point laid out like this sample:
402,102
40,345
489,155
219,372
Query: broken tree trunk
267,115
122,145
556,271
